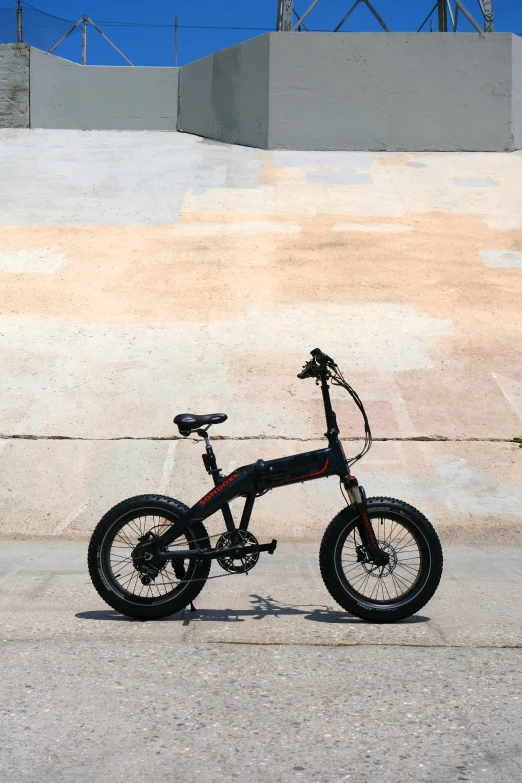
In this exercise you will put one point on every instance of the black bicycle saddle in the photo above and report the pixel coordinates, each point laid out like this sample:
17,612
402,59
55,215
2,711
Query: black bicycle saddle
189,422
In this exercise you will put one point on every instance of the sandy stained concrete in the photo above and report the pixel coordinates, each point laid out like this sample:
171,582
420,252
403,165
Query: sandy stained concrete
144,274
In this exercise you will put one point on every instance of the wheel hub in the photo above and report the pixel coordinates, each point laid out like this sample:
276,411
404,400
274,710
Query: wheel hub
384,569
146,564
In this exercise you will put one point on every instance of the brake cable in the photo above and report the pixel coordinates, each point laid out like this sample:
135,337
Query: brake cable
338,379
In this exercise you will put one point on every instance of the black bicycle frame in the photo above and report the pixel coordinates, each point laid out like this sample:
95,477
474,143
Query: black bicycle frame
255,479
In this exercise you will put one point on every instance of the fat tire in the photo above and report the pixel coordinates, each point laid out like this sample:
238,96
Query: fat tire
171,509
365,608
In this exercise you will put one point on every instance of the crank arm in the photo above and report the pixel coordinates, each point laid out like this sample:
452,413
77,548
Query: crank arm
214,554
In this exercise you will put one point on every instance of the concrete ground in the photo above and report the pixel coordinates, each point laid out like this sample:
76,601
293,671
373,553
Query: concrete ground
267,681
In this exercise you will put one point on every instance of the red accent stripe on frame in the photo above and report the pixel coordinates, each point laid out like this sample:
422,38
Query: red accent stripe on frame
310,475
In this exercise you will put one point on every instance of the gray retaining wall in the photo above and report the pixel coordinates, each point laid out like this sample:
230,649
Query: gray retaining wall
225,96
302,91
14,86
398,91
68,95
517,92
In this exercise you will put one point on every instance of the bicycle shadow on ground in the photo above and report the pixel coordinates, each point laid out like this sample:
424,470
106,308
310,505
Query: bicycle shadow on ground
261,609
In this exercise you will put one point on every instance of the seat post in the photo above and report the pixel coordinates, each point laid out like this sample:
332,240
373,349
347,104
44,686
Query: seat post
209,459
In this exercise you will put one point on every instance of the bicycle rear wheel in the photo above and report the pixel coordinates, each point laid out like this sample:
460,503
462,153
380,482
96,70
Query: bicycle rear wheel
112,571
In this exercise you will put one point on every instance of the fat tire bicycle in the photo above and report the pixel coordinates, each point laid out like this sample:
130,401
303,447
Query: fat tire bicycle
380,558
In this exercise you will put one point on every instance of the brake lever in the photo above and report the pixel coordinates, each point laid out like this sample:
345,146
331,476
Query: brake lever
309,370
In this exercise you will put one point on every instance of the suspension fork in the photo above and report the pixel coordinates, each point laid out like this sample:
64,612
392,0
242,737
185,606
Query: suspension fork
357,497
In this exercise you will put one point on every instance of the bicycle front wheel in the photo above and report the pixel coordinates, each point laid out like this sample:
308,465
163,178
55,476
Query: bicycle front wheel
382,594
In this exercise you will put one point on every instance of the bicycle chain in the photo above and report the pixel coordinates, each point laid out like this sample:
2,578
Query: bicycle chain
218,576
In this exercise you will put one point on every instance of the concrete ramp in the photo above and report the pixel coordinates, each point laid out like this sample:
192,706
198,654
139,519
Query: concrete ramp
146,274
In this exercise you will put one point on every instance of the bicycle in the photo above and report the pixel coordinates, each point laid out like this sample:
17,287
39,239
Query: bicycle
380,558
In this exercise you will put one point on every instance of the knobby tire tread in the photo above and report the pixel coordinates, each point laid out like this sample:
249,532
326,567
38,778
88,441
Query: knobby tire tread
146,612
334,585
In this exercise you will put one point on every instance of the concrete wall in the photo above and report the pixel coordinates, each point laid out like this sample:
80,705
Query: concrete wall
225,96
14,86
67,95
317,91
517,92
398,91
147,274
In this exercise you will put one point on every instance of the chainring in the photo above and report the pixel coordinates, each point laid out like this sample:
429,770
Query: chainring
237,565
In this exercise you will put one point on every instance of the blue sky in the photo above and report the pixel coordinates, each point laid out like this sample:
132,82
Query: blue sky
155,46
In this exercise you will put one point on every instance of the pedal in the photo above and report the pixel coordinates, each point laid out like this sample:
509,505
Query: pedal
272,548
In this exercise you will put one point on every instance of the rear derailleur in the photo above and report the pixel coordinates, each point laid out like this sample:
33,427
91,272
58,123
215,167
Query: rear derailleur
150,567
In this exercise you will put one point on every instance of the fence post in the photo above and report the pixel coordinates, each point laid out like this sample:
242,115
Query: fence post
84,41
19,25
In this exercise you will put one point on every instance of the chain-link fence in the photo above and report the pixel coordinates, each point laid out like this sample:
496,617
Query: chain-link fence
29,25
156,44
149,43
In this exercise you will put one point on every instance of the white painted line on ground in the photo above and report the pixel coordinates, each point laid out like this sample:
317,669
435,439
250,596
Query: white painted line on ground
501,259
220,229
168,467
380,228
511,389
75,513
41,260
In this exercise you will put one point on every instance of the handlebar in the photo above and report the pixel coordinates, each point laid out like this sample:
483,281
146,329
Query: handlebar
316,365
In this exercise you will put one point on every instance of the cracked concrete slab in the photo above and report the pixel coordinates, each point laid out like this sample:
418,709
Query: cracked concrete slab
196,277
470,491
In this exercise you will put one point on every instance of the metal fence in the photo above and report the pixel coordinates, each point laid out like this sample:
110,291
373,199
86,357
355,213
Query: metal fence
158,43
26,24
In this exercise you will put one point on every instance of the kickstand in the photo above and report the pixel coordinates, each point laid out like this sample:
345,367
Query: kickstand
192,607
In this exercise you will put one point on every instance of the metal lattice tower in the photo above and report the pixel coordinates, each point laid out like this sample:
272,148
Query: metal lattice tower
448,15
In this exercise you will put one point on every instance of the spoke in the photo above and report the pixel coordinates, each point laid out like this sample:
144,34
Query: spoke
376,588
128,582
406,546
401,579
125,572
367,580
407,568
405,532
354,565
134,529
393,525
398,589
120,558
125,538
